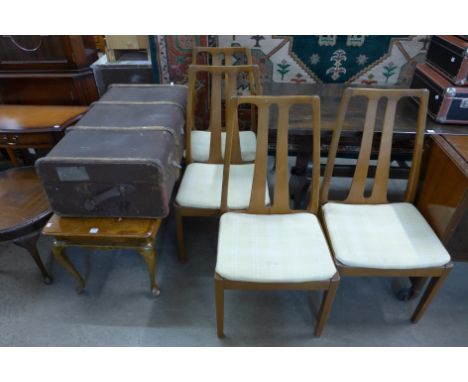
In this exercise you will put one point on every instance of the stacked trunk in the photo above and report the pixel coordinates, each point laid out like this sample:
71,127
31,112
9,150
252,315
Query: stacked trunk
123,158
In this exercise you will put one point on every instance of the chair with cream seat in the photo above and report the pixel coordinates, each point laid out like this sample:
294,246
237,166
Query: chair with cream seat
199,193
269,247
368,235
198,141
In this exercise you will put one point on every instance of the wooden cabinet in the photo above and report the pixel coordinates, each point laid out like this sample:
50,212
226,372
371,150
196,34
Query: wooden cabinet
48,88
443,199
47,70
46,52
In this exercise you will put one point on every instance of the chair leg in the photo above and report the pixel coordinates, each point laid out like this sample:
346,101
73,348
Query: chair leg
327,303
180,235
219,297
431,290
417,285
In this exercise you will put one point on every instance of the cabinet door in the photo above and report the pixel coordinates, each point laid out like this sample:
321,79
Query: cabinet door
44,52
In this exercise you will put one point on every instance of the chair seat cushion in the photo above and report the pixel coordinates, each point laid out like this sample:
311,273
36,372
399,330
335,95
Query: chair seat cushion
273,248
201,186
384,236
200,145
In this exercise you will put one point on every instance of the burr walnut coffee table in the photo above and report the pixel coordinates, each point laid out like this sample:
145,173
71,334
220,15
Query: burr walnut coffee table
24,210
104,233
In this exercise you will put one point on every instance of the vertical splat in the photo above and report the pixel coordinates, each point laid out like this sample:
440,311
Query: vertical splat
380,186
281,203
215,118
362,166
219,75
257,198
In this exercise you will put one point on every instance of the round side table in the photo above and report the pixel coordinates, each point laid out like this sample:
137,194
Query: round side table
24,211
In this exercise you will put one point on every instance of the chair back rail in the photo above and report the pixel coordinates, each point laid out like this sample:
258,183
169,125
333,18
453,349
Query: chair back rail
281,203
217,54
379,191
229,54
219,75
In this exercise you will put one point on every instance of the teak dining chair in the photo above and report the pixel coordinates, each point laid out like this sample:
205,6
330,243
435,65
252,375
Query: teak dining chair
199,193
223,55
368,235
270,247
198,141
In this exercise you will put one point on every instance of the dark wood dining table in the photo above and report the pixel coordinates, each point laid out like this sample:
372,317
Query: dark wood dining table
330,97
300,136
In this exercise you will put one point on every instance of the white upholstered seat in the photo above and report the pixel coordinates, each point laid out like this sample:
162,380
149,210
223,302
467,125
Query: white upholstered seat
202,184
273,248
200,145
384,236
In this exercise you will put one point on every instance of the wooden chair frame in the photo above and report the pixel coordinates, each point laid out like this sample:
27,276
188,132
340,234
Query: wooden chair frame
217,54
280,204
380,186
226,56
218,73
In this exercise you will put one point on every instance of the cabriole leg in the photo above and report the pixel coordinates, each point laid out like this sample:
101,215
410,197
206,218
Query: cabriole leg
30,244
148,252
58,251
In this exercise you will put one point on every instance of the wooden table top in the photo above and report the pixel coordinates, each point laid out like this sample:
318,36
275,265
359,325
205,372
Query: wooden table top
24,117
22,199
76,227
460,144
330,96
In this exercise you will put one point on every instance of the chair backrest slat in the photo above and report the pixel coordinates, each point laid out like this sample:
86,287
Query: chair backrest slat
382,173
257,196
379,191
281,203
220,76
228,60
215,118
281,194
362,166
218,54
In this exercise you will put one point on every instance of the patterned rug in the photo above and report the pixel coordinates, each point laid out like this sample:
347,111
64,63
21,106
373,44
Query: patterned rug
353,59
171,56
